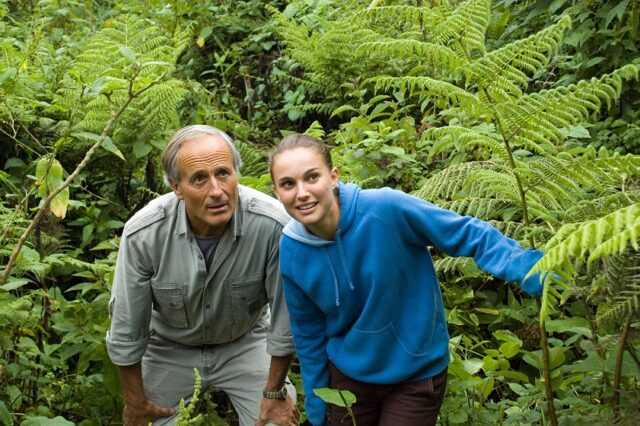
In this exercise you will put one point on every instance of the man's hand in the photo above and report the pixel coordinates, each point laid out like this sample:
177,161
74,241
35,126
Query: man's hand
142,414
282,412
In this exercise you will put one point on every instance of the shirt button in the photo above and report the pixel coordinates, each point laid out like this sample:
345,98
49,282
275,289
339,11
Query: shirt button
208,306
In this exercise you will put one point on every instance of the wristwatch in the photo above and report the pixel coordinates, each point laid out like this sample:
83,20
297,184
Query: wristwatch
281,394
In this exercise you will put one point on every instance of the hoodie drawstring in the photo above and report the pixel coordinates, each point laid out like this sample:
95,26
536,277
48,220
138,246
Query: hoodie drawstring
344,260
333,272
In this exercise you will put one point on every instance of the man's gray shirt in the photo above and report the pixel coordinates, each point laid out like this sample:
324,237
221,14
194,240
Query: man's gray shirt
161,281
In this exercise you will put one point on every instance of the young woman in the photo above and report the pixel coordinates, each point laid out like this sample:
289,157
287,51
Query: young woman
362,292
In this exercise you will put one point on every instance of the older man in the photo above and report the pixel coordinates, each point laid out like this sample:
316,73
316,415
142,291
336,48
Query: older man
196,274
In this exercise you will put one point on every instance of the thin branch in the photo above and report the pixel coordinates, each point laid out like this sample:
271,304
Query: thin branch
47,201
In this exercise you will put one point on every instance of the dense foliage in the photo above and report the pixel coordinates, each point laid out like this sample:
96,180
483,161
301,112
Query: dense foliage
522,113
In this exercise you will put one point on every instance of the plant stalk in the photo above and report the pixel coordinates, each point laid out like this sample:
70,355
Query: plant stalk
618,369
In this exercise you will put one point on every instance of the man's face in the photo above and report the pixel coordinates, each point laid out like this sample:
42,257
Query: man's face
208,184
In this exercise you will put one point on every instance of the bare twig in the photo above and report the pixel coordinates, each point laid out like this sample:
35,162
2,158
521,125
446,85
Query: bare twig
47,201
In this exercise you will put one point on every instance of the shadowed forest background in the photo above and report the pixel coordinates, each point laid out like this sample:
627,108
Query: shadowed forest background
522,113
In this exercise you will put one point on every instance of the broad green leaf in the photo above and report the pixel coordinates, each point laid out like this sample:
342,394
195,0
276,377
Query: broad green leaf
577,325
5,415
14,283
332,396
510,349
141,148
128,54
49,176
44,421
8,73
556,357
110,146
393,150
472,366
13,162
342,109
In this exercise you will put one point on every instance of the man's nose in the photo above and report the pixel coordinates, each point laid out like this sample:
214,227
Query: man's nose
215,189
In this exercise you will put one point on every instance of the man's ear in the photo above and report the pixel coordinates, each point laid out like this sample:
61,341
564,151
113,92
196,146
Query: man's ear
176,190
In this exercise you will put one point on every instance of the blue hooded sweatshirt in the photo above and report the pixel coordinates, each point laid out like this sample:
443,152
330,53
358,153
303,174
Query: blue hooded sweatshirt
369,301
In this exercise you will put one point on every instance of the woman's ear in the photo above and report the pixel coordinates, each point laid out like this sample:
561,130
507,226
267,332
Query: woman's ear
335,176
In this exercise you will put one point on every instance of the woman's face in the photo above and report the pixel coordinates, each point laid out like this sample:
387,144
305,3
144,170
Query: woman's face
304,184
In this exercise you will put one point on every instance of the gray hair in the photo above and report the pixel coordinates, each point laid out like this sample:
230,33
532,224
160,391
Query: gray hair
171,152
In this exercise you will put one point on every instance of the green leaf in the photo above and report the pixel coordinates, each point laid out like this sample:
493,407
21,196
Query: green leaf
8,73
617,11
44,421
393,150
141,148
5,415
342,109
332,396
472,366
110,146
14,283
14,162
576,325
128,54
49,176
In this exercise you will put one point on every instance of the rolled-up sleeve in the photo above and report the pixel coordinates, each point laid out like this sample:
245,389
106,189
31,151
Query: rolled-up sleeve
279,338
130,304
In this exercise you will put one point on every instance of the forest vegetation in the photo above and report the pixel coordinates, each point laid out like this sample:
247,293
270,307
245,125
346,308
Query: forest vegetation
522,113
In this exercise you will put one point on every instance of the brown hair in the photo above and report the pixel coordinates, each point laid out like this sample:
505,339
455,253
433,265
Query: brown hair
299,140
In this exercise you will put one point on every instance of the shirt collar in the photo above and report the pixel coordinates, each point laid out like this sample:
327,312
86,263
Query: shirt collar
182,222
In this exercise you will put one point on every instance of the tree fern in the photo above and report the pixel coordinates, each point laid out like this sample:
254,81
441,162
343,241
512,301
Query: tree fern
622,288
121,58
607,236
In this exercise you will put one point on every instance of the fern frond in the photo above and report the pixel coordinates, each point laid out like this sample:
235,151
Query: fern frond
430,55
539,116
507,67
446,92
254,162
468,138
467,24
465,266
606,236
445,184
621,287
482,208
424,17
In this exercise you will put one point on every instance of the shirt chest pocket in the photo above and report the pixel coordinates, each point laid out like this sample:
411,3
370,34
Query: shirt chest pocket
168,301
248,296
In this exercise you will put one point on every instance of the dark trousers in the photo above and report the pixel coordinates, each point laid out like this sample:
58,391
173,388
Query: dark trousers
402,404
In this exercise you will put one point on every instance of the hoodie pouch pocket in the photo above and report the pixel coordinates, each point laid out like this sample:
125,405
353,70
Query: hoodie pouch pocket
169,303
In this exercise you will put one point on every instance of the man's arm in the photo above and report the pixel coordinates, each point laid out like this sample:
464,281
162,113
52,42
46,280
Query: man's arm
138,410
279,411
